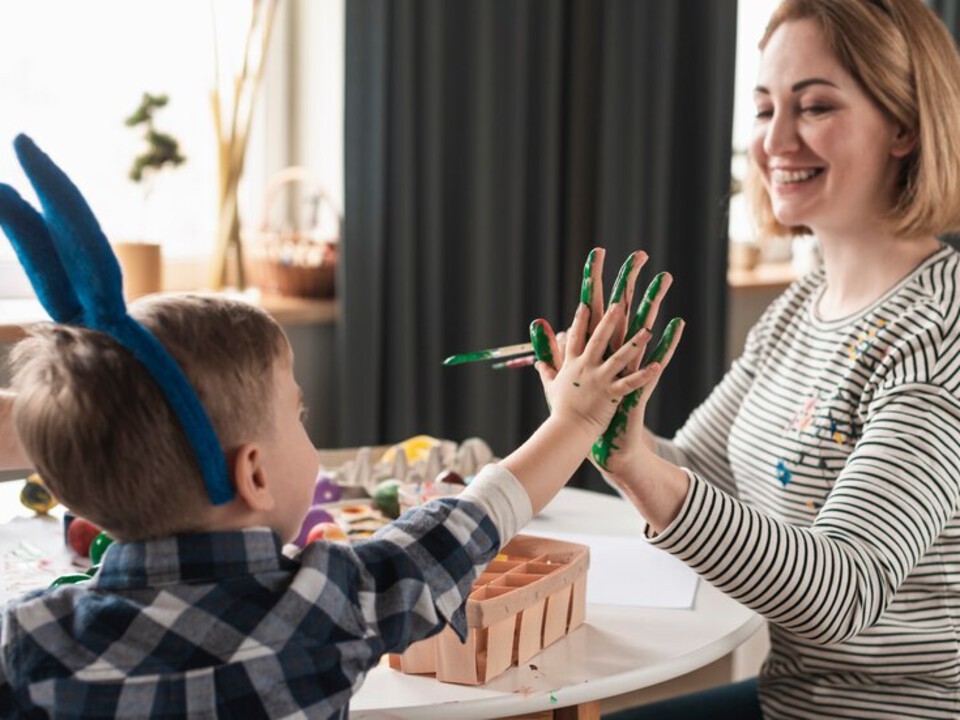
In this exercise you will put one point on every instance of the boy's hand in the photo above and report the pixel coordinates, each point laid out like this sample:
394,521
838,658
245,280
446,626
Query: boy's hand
587,389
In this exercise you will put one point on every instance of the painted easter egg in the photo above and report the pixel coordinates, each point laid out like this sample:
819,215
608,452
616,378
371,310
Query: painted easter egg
80,535
35,495
316,514
99,546
386,497
328,531
327,490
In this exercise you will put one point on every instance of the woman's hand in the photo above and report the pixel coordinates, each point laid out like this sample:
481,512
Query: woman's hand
624,440
591,382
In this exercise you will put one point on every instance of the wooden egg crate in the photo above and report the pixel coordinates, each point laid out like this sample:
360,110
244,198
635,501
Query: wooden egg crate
530,596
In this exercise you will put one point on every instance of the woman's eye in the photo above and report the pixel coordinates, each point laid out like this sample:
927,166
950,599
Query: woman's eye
304,412
815,109
764,113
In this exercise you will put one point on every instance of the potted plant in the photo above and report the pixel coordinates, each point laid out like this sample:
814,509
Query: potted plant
141,260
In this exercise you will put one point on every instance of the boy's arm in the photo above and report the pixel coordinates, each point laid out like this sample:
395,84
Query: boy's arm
12,456
417,573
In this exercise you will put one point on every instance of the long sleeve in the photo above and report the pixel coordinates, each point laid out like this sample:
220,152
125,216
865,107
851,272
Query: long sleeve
843,529
417,572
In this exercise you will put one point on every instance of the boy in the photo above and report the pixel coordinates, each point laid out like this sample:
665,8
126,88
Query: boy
194,611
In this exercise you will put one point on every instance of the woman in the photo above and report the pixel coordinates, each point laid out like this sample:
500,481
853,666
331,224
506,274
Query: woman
821,478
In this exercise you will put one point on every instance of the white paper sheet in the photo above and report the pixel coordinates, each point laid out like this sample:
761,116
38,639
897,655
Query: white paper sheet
630,571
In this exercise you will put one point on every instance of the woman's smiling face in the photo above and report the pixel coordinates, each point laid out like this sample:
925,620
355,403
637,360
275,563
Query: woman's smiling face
828,156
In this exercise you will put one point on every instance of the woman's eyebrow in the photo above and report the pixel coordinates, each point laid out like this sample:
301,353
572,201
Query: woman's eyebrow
798,86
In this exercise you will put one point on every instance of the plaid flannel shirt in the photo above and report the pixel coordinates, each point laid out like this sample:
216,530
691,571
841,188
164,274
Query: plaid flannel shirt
224,625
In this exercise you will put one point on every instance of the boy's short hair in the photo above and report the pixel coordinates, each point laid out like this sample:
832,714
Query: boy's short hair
99,430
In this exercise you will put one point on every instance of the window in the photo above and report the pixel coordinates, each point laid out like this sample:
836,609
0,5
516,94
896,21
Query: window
72,72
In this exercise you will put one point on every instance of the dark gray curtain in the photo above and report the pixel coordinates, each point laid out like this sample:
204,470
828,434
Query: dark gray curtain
949,12
489,145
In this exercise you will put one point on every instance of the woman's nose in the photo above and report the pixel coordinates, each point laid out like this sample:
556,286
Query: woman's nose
781,135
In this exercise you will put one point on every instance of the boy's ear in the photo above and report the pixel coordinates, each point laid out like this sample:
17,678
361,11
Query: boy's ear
249,478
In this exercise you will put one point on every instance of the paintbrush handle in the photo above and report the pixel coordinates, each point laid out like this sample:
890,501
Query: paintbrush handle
518,362
500,352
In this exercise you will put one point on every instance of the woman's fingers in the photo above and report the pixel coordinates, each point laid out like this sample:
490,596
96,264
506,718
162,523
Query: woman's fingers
623,291
672,333
544,343
627,359
591,288
597,344
649,307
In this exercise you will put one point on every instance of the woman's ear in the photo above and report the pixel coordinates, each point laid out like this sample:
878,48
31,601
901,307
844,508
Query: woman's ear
249,478
904,142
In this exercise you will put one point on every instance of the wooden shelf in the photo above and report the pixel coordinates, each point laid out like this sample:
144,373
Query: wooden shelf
763,277
17,314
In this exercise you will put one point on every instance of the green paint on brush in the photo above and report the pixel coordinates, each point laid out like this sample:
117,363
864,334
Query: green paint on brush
621,284
586,287
468,357
540,342
643,311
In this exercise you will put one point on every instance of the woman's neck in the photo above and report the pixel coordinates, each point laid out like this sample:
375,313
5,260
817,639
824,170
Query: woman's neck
859,270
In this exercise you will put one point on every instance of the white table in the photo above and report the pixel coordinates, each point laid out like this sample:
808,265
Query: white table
618,650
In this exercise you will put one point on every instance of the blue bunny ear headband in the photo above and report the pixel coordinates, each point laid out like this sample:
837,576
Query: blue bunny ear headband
77,279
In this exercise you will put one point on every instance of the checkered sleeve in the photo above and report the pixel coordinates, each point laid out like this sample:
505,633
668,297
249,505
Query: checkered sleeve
419,570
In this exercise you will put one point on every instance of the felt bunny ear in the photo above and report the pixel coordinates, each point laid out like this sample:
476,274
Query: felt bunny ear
78,279
30,239
83,248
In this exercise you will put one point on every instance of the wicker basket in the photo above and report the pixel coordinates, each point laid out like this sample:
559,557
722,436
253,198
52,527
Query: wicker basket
295,262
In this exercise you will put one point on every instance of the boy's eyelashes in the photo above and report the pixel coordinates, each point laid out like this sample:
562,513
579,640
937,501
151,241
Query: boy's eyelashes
304,412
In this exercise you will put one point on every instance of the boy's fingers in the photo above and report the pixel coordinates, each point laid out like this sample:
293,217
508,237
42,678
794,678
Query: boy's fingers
577,335
591,288
544,342
646,377
546,373
598,342
627,359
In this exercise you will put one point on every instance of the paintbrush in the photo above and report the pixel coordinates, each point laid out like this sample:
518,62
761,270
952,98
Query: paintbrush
492,353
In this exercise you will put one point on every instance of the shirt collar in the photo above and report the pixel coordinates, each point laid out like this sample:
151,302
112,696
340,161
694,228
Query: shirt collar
192,558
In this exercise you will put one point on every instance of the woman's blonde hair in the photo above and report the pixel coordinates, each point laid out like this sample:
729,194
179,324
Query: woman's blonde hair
100,431
907,62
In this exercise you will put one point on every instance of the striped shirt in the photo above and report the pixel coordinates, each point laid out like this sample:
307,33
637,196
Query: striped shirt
825,480
222,625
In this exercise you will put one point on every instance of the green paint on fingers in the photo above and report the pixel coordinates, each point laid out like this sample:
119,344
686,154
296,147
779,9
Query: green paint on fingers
540,342
586,287
660,351
643,311
621,284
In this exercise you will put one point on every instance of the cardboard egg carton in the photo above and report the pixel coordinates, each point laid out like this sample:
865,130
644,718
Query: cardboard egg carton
364,467
532,595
